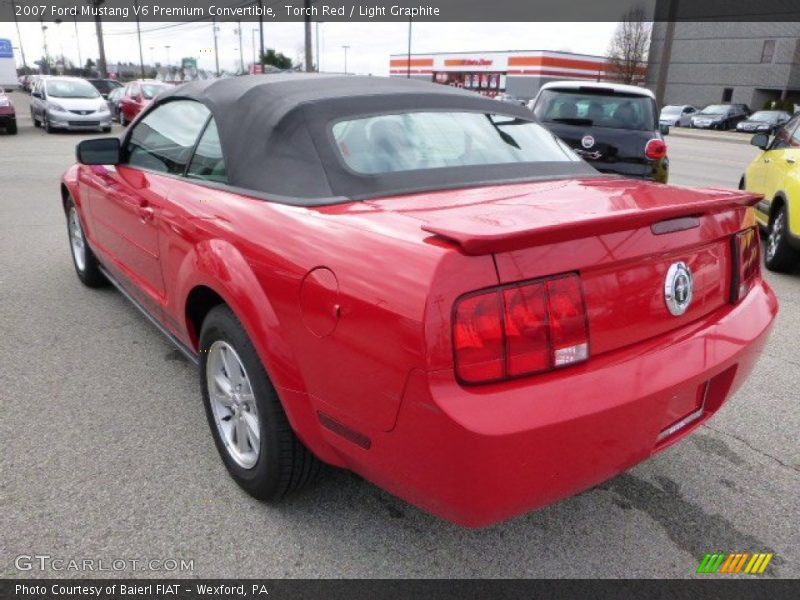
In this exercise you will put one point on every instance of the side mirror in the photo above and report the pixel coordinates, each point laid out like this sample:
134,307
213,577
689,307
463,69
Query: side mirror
36,94
136,98
760,140
99,151
663,128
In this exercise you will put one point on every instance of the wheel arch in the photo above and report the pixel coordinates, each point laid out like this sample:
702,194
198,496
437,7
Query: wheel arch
216,273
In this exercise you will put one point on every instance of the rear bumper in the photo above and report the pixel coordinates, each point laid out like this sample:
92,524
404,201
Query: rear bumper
479,455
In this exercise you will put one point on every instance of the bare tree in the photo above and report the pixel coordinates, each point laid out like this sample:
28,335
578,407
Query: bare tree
627,54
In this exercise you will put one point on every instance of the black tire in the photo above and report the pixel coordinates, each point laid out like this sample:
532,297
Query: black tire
779,256
284,464
89,273
35,122
46,125
12,128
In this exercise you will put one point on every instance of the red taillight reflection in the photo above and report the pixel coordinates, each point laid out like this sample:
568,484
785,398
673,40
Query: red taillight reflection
478,334
527,334
655,149
747,263
520,329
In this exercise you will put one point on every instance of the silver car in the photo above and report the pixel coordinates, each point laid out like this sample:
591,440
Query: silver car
68,103
677,115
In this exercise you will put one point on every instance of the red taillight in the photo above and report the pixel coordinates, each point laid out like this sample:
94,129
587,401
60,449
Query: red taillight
479,337
655,149
746,263
520,329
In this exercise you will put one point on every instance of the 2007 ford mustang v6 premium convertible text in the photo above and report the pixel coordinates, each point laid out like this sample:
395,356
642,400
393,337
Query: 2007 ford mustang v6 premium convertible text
419,284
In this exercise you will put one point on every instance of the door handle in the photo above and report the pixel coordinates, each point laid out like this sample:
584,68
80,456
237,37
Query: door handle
146,212
790,160
766,160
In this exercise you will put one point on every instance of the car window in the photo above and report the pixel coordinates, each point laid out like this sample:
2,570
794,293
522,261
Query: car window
163,140
430,140
207,162
71,89
785,138
585,107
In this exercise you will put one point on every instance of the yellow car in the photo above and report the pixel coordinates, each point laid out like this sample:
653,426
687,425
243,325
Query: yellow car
776,174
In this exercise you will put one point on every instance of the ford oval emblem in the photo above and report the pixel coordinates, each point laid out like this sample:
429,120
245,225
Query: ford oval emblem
678,288
587,141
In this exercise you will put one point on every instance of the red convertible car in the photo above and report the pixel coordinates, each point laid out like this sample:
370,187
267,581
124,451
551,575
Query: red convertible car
419,284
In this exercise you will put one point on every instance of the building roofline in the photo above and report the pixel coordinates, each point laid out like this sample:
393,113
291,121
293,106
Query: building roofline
421,54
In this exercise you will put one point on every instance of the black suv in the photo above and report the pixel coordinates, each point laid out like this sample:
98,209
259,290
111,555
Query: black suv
612,126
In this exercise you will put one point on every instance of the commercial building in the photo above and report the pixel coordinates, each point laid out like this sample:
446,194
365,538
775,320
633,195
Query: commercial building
749,63
519,73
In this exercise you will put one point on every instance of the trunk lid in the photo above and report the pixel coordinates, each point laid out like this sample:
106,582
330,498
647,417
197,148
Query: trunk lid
621,235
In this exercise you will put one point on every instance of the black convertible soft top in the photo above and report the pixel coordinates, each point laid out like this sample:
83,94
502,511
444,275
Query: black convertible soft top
276,139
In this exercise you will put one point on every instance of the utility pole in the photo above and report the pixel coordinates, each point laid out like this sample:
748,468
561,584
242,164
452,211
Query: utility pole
346,48
216,47
98,25
666,53
139,36
241,49
309,53
261,28
408,63
19,36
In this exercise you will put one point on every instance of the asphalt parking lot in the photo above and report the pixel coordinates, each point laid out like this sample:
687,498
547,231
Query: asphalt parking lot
107,454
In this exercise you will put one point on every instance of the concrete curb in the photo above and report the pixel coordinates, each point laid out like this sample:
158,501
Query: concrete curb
714,136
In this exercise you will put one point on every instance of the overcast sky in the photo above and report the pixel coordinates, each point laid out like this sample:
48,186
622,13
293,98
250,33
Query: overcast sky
370,43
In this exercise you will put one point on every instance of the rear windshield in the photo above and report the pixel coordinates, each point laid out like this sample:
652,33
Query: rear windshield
585,107
431,140
766,115
716,109
671,110
71,89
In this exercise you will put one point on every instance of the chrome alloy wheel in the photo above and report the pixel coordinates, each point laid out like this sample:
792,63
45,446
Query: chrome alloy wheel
76,239
775,233
233,404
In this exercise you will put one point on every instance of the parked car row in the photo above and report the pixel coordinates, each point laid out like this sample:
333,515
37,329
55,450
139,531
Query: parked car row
723,117
76,104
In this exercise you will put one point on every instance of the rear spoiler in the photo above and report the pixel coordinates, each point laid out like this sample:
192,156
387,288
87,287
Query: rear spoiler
474,239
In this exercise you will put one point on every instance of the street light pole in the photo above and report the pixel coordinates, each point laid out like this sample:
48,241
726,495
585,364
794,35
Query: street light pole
78,43
408,64
139,36
19,35
241,49
253,40
216,47
346,48
319,56
44,45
